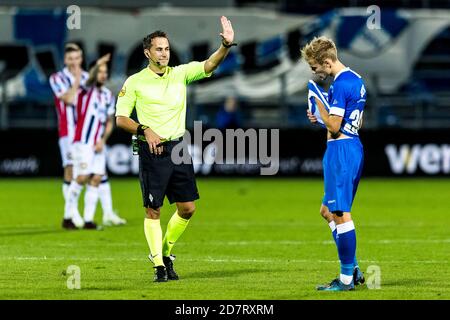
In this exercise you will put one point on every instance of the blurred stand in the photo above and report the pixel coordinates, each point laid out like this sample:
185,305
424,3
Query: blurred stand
404,90
4,106
229,117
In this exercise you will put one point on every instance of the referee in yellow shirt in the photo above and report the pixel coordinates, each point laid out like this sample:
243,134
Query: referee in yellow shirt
158,93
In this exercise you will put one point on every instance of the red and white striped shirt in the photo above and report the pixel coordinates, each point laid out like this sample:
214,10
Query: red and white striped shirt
61,82
94,107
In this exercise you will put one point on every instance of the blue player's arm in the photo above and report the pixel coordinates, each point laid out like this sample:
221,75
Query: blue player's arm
312,118
332,122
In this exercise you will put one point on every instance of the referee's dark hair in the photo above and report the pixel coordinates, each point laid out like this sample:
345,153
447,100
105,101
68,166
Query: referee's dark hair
147,42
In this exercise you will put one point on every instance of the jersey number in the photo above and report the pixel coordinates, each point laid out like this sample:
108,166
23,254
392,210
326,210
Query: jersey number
356,116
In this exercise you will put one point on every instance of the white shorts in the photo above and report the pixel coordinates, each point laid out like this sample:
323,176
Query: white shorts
86,161
65,147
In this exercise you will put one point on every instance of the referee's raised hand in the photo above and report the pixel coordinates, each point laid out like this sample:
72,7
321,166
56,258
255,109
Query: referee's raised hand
153,141
227,33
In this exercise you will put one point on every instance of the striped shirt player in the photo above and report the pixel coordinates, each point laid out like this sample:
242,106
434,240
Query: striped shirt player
60,83
93,107
65,84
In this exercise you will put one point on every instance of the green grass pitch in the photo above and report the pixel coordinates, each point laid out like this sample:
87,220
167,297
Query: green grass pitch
249,239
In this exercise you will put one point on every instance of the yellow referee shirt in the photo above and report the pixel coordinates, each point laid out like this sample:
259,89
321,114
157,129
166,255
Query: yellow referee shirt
160,101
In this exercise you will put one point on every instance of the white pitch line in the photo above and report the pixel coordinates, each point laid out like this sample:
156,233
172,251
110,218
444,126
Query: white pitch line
219,260
410,241
29,225
299,224
233,224
325,242
240,243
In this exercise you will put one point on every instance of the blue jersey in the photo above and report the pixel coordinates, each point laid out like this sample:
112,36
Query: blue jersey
347,97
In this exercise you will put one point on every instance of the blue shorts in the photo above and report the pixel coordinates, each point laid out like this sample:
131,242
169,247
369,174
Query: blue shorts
342,168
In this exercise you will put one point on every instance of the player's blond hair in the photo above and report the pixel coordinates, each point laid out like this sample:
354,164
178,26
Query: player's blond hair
72,46
319,49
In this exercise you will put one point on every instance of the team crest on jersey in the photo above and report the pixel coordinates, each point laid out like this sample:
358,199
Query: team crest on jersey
122,91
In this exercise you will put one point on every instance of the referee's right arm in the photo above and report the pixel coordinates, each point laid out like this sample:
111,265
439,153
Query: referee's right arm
131,126
127,124
126,102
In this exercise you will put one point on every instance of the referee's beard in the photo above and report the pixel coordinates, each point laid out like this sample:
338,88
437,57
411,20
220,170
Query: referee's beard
161,65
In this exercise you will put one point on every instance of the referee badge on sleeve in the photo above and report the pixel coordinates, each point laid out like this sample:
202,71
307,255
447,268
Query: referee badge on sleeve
122,91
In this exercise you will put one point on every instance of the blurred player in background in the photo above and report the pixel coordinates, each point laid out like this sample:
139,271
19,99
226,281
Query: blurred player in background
94,126
65,84
344,157
110,218
158,93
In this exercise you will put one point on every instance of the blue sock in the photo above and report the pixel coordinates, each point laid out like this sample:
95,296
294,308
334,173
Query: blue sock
355,263
346,245
335,238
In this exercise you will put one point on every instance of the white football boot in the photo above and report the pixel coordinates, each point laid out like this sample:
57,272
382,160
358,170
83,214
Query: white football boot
113,219
77,220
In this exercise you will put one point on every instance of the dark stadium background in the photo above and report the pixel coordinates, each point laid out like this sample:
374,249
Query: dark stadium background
408,94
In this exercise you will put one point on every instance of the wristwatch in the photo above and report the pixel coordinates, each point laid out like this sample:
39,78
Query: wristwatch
228,45
140,129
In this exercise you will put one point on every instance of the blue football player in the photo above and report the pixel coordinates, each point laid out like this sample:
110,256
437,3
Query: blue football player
341,113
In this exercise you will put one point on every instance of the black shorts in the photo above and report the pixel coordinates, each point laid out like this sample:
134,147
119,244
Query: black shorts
160,177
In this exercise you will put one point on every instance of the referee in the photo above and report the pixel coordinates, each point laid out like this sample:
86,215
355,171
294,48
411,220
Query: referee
158,93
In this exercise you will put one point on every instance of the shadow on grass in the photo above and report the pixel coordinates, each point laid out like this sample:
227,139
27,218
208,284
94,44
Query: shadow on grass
409,282
27,231
221,273
31,232
110,288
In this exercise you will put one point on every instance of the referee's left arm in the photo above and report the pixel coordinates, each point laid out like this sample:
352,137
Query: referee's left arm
227,42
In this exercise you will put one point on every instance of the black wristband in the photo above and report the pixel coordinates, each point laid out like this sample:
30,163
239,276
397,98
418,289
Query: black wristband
228,45
140,129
